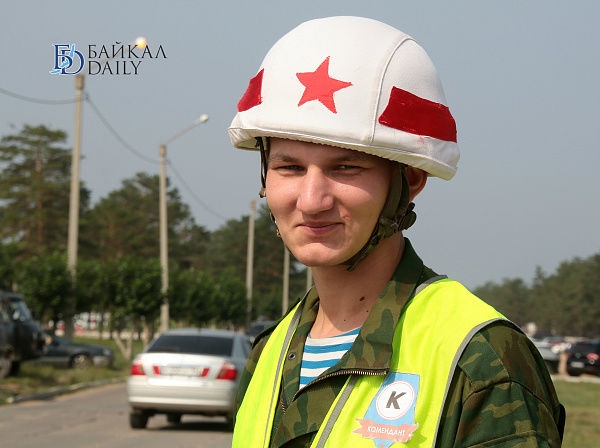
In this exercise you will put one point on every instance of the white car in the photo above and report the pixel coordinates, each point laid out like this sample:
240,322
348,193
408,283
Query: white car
187,371
550,347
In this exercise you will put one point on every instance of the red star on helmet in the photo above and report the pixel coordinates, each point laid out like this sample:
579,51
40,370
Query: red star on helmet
320,86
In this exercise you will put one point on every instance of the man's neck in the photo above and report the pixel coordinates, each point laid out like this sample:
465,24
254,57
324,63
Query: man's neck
346,297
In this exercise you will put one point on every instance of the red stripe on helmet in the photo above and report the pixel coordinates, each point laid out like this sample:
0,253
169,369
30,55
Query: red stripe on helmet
252,97
410,113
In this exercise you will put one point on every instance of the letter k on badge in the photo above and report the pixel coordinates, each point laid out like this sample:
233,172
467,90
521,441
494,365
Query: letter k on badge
391,414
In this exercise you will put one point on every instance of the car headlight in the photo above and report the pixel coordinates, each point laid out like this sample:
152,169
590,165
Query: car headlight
106,352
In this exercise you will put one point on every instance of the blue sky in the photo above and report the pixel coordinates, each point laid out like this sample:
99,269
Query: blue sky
520,79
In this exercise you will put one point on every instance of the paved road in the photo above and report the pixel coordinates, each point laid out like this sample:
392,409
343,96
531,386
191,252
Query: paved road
99,417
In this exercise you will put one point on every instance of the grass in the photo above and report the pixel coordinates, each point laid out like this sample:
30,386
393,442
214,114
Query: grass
36,378
581,399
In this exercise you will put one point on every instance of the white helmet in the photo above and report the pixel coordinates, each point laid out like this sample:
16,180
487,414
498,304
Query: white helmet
354,83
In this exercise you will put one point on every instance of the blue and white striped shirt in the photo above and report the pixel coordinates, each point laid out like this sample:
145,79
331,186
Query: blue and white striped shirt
321,354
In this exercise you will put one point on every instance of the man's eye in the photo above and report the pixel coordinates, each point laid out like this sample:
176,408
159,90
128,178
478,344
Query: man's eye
287,168
345,167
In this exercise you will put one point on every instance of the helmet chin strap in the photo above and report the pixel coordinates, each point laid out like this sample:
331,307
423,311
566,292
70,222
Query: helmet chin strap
397,213
262,143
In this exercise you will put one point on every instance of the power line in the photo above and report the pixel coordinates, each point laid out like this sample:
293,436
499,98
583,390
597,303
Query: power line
36,100
123,142
196,198
94,108
116,134
133,150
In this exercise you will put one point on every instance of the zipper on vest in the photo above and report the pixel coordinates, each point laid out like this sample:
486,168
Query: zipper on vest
362,372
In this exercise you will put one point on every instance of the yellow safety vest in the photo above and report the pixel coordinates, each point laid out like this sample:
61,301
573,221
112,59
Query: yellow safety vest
375,411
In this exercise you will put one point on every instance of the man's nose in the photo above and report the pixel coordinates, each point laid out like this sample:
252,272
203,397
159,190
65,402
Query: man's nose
315,193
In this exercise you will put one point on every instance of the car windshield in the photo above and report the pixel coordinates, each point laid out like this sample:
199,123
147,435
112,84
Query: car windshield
193,344
257,327
19,309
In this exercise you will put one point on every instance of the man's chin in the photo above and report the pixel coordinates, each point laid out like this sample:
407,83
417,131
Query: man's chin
315,261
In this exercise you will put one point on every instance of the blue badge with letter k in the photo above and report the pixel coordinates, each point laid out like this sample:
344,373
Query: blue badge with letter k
391,414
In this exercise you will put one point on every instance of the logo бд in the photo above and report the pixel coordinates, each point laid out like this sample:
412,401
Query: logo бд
67,60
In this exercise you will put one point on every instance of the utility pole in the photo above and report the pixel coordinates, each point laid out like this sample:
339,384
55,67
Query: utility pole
164,254
73,229
164,232
73,234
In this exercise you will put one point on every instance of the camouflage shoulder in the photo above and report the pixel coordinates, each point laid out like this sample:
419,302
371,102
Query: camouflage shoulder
501,390
508,355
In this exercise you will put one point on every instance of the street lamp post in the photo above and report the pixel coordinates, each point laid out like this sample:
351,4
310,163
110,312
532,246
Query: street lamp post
163,232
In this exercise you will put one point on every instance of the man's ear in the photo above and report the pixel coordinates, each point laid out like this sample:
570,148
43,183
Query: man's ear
416,180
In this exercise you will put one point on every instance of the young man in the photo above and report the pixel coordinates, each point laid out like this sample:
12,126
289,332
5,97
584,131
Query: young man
350,119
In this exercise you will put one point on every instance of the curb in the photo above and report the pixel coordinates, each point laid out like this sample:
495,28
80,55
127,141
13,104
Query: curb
62,390
576,379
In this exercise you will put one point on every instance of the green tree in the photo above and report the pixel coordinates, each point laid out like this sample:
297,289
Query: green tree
7,266
134,284
571,298
97,286
228,250
546,301
46,283
198,299
191,297
128,289
566,302
511,297
126,222
138,290
34,190
230,296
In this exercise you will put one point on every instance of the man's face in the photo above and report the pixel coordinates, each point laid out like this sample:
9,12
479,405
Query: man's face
325,200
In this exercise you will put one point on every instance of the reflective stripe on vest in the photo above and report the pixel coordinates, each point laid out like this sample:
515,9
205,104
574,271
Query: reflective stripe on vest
403,407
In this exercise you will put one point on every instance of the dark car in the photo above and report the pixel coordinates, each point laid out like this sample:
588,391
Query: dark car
21,336
5,346
187,371
258,327
584,357
61,352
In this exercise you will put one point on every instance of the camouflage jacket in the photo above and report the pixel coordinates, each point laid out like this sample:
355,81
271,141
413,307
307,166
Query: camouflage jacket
501,394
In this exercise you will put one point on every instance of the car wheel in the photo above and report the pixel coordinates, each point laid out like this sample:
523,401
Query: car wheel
15,368
81,361
174,418
5,367
229,422
138,420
